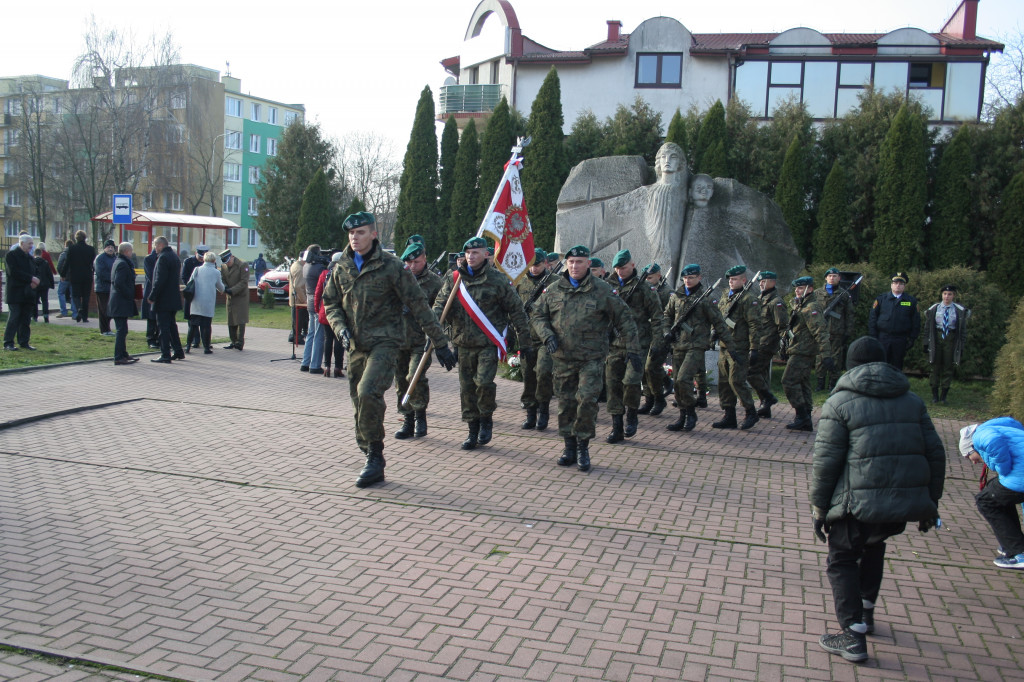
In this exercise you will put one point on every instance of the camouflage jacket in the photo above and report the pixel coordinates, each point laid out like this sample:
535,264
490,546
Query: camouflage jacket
496,298
695,333
644,307
368,302
839,320
743,318
430,283
774,320
526,287
580,317
808,333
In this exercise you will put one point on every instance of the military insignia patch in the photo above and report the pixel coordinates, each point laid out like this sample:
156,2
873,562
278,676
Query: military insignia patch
876,304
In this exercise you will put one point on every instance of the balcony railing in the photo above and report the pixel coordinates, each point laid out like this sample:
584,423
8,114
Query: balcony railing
459,99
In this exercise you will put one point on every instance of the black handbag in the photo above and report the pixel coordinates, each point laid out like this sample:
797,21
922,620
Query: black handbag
190,289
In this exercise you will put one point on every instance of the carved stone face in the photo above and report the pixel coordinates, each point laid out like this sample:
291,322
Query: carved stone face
701,190
670,164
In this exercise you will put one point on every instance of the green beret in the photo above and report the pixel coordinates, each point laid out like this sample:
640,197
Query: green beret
475,243
691,269
553,257
462,254
653,269
358,220
735,270
490,250
578,251
622,258
832,271
414,250
596,263
803,281
768,274
539,256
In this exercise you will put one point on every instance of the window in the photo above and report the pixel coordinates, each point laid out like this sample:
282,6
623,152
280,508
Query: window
12,228
272,115
495,65
177,100
13,107
33,228
661,70
963,91
232,139
232,172
250,239
13,135
233,107
271,147
232,202
253,207
254,144
58,106
254,112
176,134
172,201
254,175
232,234
12,197
146,200
289,117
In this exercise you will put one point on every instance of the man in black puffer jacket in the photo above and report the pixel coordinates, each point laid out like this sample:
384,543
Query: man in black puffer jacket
878,464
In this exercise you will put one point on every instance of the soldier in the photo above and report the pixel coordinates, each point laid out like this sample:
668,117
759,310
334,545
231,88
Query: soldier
654,370
690,340
235,273
807,338
537,382
774,326
895,320
573,317
597,268
742,312
409,355
363,298
552,260
623,372
840,323
945,333
496,304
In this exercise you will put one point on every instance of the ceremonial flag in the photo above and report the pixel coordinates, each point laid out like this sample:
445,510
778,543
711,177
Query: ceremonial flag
507,222
479,318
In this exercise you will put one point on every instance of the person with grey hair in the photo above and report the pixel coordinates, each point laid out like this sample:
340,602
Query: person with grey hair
121,302
207,282
21,293
165,297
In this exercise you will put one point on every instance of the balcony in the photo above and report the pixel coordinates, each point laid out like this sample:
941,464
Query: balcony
469,99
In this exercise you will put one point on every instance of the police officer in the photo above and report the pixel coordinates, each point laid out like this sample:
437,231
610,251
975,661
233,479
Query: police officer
573,317
895,320
409,355
774,326
621,377
807,338
742,312
840,327
654,369
537,382
945,333
496,305
363,298
235,273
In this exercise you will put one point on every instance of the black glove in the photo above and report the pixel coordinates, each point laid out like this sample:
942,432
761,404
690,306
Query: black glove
753,355
636,361
734,355
346,340
668,337
445,357
455,354
925,526
829,364
530,354
552,343
714,338
820,529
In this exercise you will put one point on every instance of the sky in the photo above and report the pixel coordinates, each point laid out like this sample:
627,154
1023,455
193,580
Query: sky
359,67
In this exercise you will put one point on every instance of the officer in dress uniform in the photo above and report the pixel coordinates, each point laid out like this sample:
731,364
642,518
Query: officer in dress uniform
945,333
235,273
895,320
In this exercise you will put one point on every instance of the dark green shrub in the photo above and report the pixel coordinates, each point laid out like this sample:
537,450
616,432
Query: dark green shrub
1008,393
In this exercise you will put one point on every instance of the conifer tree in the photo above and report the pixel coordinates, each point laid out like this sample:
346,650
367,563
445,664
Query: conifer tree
831,239
315,216
446,175
354,206
586,139
417,188
544,168
951,241
708,159
677,131
465,218
634,130
790,195
1008,258
495,150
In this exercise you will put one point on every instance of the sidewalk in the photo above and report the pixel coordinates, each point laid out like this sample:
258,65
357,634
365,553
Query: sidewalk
209,530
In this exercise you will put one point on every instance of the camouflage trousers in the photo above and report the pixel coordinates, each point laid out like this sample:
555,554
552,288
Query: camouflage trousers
838,350
942,368
406,364
759,373
370,374
477,367
578,385
686,365
732,380
654,376
622,382
537,378
796,380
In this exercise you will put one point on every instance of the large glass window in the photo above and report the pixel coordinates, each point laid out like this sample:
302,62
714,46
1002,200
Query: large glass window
660,70
752,86
786,73
847,100
963,91
820,88
931,101
232,203
855,74
891,77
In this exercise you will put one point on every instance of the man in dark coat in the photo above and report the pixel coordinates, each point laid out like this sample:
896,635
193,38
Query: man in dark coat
21,294
152,330
102,267
43,272
79,264
165,297
121,303
878,464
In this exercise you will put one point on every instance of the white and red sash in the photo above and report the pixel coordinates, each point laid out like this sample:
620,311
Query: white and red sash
479,318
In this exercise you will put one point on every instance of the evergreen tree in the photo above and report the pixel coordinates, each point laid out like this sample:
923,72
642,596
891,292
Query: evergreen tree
831,239
707,158
901,193
465,218
586,139
446,176
677,131
417,188
1008,260
315,216
634,130
495,151
951,241
544,168
791,197
354,206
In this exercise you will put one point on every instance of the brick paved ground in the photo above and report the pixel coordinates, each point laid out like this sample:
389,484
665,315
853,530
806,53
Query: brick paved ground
209,529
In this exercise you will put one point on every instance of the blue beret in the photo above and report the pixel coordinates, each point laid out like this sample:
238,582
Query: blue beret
691,269
578,251
735,270
358,220
622,258
475,243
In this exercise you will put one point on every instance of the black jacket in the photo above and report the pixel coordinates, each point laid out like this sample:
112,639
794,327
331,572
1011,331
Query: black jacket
79,263
20,271
166,292
895,317
188,266
122,289
43,272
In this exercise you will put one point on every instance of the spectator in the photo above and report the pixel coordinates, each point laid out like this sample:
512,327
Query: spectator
259,266
21,295
80,259
102,267
313,353
332,344
42,270
165,298
64,288
188,266
152,328
48,258
204,299
121,301
297,300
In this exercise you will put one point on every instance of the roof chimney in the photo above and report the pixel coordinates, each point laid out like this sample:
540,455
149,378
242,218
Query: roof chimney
963,23
614,26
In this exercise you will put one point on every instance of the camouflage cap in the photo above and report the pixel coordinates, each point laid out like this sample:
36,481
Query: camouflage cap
768,274
358,220
475,243
539,256
622,258
832,271
578,251
736,270
901,277
653,269
418,239
596,263
803,281
691,269
414,250
553,257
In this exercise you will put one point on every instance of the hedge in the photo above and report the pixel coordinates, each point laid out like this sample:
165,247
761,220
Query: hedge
1008,393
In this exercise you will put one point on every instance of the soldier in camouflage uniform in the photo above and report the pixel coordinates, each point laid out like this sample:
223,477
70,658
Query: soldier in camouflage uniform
409,355
840,323
478,355
807,338
573,317
774,325
690,341
363,299
622,381
742,312
654,370
537,380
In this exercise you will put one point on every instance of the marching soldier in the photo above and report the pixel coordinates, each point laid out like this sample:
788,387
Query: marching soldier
774,326
364,296
235,273
622,375
495,303
654,369
552,260
409,355
573,317
690,339
807,338
895,320
537,382
946,331
597,268
742,312
840,323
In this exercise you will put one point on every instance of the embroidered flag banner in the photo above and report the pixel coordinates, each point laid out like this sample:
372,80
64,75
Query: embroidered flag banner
508,223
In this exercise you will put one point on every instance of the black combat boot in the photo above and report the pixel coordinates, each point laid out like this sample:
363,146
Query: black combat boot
766,406
373,471
942,397
474,432
542,416
486,427
702,398
421,423
691,419
677,425
802,421
407,428
726,422
648,404
531,418
568,457
631,422
616,435
659,405
583,454
821,382
935,395
750,419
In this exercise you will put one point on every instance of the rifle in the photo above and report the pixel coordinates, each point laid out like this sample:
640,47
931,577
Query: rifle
728,311
434,267
664,280
641,278
540,287
680,322
839,297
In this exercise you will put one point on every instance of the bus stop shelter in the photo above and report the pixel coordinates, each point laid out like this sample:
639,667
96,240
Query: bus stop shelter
183,232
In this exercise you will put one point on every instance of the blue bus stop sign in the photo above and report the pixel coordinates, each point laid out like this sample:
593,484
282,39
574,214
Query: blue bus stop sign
122,214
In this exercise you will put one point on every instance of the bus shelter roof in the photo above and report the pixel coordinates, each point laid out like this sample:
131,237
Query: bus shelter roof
155,219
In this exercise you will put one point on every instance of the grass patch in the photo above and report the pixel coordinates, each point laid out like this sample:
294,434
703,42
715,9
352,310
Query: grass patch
278,317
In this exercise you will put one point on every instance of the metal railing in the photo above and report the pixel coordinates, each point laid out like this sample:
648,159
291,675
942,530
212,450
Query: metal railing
458,99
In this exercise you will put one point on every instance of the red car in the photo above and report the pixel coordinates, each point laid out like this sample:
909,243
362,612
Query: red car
277,281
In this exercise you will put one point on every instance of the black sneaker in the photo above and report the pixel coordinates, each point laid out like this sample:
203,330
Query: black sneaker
868,618
850,645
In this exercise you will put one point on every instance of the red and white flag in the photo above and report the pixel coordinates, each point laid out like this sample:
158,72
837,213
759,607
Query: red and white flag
508,224
479,318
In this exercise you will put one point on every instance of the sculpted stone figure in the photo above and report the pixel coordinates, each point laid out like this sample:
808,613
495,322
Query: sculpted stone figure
701,189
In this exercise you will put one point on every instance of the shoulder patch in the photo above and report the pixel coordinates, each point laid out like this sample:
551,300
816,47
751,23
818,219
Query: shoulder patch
876,304
814,312
780,304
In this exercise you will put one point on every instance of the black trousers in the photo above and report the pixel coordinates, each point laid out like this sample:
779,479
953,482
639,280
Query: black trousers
120,341
169,339
895,349
18,317
998,504
102,298
199,327
80,292
333,346
42,300
856,559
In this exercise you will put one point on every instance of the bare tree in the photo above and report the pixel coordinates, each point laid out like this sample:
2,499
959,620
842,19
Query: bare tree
371,169
1005,76
33,155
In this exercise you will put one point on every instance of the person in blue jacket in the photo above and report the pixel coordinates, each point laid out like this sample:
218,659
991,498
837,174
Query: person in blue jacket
999,443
